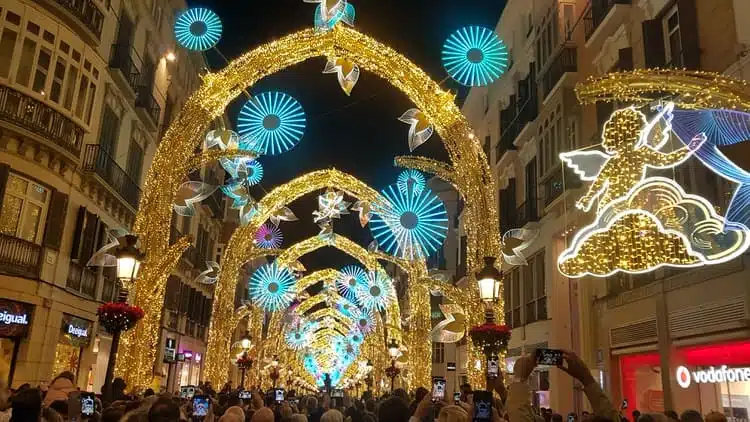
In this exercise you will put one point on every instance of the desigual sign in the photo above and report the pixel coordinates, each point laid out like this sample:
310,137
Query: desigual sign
712,375
15,318
76,331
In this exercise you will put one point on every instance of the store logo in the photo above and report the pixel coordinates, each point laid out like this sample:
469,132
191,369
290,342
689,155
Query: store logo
8,318
711,375
77,332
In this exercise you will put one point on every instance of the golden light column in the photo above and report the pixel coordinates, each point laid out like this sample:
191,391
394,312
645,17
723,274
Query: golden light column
473,178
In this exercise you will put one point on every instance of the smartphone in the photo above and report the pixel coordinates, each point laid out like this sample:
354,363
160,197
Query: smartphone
279,395
88,404
200,405
337,393
549,357
457,397
482,406
245,395
571,418
492,367
438,389
624,404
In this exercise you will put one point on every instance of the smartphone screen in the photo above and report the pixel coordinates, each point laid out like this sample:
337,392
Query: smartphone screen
492,367
88,404
337,393
438,389
200,405
279,395
482,406
457,397
244,395
571,418
549,357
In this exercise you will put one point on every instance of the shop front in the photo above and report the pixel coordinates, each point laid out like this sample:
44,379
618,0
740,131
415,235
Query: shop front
75,336
15,321
704,377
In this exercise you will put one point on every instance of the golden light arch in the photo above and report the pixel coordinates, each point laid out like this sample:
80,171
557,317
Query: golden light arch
470,170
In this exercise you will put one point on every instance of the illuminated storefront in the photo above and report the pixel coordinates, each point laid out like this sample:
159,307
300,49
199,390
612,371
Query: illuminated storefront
75,336
15,320
704,378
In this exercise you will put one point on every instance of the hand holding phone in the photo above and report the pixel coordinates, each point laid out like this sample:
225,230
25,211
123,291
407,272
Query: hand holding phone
457,397
200,405
482,406
245,395
279,395
493,369
88,404
438,389
549,357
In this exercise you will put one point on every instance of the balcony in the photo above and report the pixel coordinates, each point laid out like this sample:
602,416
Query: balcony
191,256
83,12
598,12
82,279
565,61
124,58
19,257
40,119
98,161
109,287
558,182
146,105
527,213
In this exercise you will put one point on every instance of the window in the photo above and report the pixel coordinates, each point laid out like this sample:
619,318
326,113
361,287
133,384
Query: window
24,209
673,38
42,68
535,291
23,74
7,45
58,77
135,161
109,132
438,352
512,297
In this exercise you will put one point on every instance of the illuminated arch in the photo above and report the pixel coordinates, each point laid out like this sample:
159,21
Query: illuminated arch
472,174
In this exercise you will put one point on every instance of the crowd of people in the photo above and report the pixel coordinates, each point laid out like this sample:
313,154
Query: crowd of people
62,401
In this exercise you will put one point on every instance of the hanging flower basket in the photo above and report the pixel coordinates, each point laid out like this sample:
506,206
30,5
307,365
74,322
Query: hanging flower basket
118,317
244,362
392,372
491,337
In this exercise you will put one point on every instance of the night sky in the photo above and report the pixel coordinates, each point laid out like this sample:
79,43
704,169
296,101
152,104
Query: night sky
358,134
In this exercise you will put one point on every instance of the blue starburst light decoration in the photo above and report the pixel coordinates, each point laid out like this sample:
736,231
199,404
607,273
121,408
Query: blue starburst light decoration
411,180
272,287
411,225
301,335
349,278
268,236
273,122
364,320
355,337
377,291
198,29
475,56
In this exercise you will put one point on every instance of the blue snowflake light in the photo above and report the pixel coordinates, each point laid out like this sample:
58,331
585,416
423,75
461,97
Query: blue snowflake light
301,335
364,320
272,122
412,225
346,307
475,56
411,180
355,337
198,29
376,293
349,278
272,287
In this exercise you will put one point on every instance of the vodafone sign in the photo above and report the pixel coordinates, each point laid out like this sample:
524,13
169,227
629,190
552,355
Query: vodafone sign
712,375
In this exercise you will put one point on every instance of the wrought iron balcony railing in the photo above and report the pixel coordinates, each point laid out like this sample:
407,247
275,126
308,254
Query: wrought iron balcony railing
97,160
597,12
85,11
121,57
19,257
145,99
40,119
565,61
557,183
82,279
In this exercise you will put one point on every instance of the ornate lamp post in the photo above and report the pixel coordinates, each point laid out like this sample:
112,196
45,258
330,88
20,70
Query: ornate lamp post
244,362
393,371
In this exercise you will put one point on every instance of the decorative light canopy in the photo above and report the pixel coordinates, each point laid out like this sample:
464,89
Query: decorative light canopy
411,180
376,293
269,236
198,29
350,278
475,56
411,225
272,287
273,122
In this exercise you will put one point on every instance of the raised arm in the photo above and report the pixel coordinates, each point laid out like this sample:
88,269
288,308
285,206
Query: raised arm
658,159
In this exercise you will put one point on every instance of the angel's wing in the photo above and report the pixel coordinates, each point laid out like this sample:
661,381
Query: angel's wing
586,164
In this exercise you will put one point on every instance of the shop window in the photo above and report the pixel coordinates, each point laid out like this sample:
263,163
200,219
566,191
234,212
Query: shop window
438,352
535,294
7,45
24,209
75,335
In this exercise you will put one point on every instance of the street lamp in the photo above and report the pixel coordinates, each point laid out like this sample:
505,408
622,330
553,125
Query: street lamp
246,363
393,349
246,341
489,279
394,352
274,370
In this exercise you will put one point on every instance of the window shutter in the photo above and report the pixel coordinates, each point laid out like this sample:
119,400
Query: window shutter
691,52
653,43
75,250
89,237
55,225
625,61
4,173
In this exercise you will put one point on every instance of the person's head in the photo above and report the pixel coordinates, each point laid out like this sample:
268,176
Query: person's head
149,392
714,416
420,393
164,410
112,414
623,130
298,417
233,399
556,417
636,414
400,392
26,405
466,388
453,413
312,405
119,384
672,415
655,417
370,405
394,409
332,415
285,411
691,416
263,414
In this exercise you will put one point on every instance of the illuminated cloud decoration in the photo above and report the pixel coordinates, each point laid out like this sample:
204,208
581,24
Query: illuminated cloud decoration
198,29
268,236
272,287
475,56
376,292
411,225
350,277
411,180
646,222
272,122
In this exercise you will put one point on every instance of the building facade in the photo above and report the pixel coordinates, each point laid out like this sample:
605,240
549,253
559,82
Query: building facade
86,91
630,330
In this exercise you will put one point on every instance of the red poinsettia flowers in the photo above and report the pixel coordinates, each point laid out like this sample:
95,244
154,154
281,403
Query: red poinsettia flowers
118,317
392,371
491,337
244,361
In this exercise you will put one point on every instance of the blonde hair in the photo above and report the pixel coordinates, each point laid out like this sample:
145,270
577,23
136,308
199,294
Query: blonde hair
453,413
332,415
